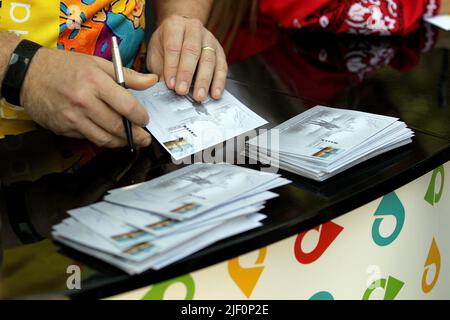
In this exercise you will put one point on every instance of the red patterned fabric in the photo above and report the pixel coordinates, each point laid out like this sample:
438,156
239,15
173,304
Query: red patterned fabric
381,17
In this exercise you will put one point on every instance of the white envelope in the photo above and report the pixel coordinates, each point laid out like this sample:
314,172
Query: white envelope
184,128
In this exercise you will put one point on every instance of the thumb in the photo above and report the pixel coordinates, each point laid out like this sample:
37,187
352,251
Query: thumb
133,80
139,81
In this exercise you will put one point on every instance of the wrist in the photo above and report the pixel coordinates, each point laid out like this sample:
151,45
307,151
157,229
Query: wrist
194,9
35,70
9,44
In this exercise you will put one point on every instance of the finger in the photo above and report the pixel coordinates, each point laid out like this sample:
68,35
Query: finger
133,80
99,136
190,55
121,100
204,74
141,137
220,75
139,81
73,134
156,64
155,56
173,34
112,122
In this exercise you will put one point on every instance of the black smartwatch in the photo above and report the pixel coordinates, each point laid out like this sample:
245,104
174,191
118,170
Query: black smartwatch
17,70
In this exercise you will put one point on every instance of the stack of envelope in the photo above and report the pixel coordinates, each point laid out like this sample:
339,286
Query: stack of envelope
156,223
324,141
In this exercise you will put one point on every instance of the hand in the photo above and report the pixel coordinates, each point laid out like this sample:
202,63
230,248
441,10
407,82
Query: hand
176,50
76,95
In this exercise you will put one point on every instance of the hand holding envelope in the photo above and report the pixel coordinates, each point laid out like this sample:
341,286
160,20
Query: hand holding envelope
184,127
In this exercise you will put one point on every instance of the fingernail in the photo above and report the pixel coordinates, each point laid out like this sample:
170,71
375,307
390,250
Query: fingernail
201,93
218,93
172,82
150,78
183,87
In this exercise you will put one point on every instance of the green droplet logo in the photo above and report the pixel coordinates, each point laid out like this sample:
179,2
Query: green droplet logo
391,287
158,291
434,194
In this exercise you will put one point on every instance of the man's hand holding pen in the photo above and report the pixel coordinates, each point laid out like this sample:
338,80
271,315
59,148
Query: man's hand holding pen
76,95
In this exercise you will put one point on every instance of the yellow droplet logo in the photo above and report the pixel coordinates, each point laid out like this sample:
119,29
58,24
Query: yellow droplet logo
247,278
434,258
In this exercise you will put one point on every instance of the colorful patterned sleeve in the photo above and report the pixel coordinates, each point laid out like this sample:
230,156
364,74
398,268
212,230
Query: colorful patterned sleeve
381,17
86,26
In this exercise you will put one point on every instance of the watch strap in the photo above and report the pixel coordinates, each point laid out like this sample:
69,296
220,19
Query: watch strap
17,69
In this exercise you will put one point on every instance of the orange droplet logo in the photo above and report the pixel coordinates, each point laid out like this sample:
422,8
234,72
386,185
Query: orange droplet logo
434,258
247,278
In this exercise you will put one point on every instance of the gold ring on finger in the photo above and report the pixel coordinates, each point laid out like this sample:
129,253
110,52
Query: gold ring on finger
209,48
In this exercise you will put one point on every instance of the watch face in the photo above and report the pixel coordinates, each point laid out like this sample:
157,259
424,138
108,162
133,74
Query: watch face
14,59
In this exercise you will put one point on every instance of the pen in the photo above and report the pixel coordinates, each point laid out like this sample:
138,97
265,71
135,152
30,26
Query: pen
118,68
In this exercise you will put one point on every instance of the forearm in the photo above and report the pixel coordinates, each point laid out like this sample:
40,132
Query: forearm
8,42
445,7
198,9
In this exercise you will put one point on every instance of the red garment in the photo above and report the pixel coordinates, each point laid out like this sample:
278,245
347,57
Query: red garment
248,43
382,17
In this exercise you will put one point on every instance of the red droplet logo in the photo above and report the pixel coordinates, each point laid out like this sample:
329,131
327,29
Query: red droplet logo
328,233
